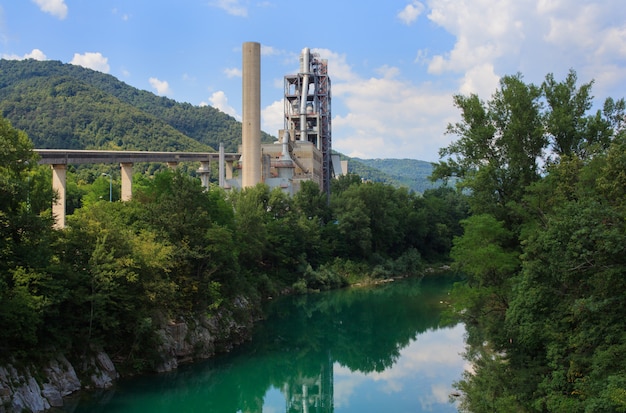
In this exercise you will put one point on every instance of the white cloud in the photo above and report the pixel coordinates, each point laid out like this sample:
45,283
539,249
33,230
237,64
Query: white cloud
232,7
613,42
57,8
34,54
594,32
485,31
161,86
338,67
411,12
389,117
273,118
232,72
219,101
269,51
532,37
93,61
481,80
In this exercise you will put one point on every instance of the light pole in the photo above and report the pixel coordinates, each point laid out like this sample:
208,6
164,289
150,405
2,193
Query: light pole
110,186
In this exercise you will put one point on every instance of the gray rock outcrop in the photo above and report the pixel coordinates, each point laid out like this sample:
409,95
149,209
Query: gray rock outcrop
37,390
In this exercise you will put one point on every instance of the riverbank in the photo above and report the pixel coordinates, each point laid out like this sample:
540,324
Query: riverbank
39,386
428,272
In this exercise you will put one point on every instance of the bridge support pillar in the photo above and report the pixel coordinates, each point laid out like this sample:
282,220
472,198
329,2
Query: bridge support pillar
127,181
204,171
229,170
58,186
172,165
220,166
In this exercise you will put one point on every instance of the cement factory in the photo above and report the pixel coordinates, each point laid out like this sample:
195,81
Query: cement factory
304,146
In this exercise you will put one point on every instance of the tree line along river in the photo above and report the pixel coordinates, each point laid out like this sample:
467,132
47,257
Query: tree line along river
368,349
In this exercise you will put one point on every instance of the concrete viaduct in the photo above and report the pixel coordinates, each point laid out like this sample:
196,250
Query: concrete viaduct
60,158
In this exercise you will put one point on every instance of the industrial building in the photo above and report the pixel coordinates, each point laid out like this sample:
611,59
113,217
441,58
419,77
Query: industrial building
304,147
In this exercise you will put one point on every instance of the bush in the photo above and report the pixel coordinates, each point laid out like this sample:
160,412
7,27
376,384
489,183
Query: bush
409,263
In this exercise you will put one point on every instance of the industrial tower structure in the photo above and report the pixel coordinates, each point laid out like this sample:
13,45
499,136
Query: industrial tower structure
304,146
308,109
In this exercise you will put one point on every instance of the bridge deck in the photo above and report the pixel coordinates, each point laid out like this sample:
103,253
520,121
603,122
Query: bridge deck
68,157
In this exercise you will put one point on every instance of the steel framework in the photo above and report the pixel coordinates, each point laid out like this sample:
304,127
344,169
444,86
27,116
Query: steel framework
308,109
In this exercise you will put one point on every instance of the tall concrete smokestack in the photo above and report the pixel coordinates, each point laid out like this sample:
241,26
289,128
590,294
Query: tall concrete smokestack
251,125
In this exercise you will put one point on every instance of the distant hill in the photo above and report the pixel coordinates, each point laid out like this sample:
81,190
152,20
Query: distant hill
66,106
410,173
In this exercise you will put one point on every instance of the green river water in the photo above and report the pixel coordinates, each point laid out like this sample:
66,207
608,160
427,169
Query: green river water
368,349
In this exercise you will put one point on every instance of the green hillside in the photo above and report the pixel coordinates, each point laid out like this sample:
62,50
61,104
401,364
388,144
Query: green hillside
65,106
410,173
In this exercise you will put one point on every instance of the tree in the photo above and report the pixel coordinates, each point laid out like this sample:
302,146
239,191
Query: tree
25,235
489,267
567,310
311,203
570,129
192,220
543,252
250,206
353,224
499,146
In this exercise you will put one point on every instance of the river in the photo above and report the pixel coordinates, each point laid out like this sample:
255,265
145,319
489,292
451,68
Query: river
364,349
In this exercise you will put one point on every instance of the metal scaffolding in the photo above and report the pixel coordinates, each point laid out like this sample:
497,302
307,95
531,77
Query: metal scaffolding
308,109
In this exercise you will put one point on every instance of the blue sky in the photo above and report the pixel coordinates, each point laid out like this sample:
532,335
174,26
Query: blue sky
394,64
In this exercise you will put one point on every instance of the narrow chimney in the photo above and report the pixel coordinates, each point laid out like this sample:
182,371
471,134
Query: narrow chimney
251,124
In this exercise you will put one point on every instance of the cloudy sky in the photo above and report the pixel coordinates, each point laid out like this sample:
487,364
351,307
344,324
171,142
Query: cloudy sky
394,64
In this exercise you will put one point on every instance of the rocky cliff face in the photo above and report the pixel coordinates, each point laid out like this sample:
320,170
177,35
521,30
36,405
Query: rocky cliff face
197,339
38,388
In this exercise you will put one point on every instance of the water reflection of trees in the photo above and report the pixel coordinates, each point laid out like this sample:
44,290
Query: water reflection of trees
363,329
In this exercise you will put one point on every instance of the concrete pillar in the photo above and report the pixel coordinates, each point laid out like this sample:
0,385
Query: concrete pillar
251,115
172,165
126,170
58,186
229,171
220,168
204,171
266,164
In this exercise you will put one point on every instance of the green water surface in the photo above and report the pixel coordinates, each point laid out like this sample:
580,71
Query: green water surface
374,349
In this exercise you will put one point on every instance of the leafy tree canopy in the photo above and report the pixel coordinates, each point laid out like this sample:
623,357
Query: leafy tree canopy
543,253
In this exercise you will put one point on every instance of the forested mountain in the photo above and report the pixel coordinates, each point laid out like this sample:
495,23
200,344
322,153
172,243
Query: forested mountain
66,106
409,173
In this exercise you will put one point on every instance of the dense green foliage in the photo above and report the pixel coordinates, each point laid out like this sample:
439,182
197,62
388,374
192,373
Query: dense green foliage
70,107
543,252
121,270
